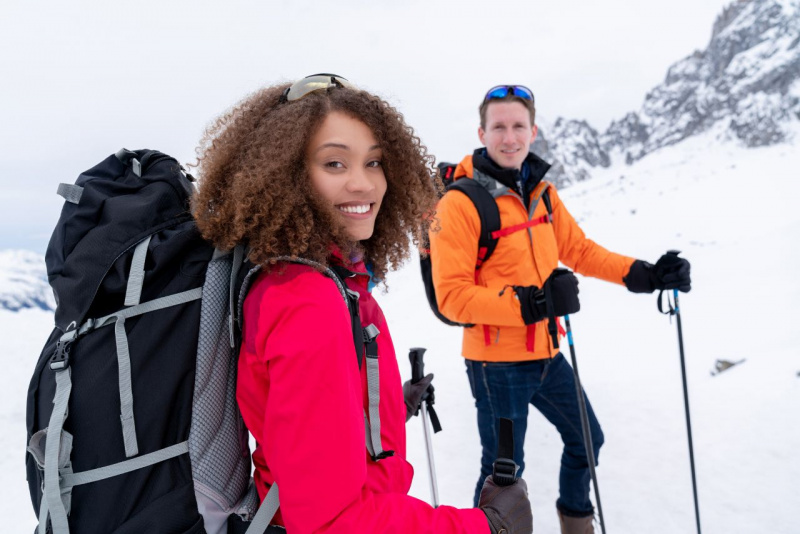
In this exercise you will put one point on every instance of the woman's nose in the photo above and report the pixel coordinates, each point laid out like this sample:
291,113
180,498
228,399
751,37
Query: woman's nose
360,181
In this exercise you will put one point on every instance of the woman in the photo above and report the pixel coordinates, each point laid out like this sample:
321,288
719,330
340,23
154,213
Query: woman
330,175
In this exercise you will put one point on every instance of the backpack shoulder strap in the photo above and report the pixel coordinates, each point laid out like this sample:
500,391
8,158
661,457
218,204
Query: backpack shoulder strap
542,192
351,297
488,212
243,275
547,204
446,172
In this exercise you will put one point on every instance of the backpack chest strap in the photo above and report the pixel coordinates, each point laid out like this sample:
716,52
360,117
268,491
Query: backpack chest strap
519,227
539,193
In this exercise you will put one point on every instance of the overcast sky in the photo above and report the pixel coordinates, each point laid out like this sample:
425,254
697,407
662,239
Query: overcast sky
79,80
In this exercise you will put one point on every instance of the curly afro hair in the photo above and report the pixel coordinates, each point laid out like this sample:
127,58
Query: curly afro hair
255,187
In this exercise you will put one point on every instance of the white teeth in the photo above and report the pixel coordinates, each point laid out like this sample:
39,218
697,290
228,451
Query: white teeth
364,208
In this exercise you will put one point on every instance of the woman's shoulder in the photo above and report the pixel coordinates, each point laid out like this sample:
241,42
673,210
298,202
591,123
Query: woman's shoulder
287,303
288,283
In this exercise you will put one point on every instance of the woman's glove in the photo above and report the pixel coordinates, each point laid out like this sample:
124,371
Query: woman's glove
507,508
415,393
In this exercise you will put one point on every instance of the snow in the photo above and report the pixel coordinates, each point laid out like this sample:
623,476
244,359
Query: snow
23,334
23,281
732,211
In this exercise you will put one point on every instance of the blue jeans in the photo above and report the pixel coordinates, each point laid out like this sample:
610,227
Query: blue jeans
504,389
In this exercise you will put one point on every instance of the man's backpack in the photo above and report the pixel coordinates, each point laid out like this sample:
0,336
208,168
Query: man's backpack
489,235
132,419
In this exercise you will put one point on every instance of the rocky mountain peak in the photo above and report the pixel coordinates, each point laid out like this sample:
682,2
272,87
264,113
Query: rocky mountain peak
745,85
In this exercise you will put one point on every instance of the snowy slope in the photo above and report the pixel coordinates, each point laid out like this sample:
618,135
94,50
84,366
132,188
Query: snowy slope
732,212
23,334
23,281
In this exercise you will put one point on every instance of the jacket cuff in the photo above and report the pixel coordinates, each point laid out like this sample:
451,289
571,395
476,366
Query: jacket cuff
640,278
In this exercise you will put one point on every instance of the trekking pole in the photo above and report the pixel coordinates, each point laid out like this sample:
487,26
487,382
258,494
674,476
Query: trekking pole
587,435
677,312
417,372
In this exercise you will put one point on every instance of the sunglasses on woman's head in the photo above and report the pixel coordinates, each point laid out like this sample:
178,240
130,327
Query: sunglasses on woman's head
315,82
502,91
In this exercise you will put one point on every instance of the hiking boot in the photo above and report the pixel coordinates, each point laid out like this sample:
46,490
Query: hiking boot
574,523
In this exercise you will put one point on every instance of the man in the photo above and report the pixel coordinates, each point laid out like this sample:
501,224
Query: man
510,353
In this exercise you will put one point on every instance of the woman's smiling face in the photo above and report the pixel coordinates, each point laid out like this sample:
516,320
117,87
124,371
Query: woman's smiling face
344,162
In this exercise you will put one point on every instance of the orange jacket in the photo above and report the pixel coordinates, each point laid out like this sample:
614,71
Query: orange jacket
523,257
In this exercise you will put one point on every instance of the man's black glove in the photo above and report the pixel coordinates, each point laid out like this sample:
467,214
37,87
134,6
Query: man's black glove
561,288
670,272
507,507
673,272
415,393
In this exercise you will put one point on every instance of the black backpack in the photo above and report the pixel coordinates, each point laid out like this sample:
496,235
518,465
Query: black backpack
132,419
487,241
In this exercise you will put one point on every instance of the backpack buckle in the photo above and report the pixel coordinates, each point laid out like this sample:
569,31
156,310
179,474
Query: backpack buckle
370,333
60,359
504,472
382,456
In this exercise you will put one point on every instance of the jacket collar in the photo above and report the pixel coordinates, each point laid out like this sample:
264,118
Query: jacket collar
508,177
355,268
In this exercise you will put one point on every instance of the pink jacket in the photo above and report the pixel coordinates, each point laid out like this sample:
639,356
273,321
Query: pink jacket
303,398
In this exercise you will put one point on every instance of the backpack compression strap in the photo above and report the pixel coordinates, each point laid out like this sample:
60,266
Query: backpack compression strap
55,481
70,192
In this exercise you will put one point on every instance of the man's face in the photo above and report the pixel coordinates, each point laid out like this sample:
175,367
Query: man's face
508,134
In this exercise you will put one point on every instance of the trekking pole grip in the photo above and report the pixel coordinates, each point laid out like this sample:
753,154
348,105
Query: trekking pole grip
417,365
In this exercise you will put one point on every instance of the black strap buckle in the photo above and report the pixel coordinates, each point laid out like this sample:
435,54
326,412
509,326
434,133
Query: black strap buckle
504,472
370,333
60,359
383,455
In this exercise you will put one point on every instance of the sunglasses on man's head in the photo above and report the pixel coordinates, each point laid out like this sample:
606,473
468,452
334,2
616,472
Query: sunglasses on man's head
315,82
502,91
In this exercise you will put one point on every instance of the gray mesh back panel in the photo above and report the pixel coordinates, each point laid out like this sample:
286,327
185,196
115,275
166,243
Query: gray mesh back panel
217,438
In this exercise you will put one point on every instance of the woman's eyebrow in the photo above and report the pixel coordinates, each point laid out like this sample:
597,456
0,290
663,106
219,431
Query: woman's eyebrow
333,145
344,147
